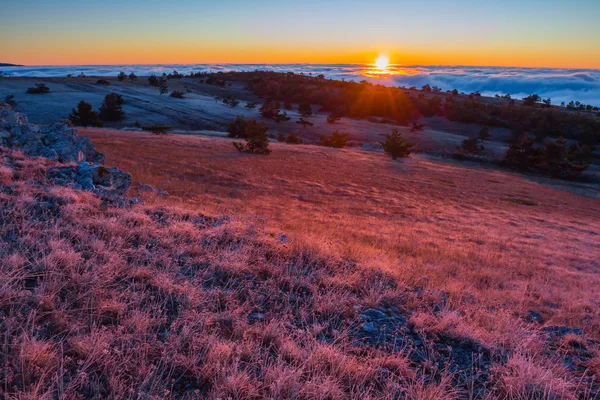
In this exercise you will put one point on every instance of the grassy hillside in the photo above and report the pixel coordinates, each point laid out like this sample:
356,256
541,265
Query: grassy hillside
311,273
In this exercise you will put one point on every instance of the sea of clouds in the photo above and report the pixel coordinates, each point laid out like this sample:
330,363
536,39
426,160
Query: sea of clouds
558,84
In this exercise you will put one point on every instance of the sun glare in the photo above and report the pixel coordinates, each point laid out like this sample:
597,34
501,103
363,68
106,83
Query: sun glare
382,62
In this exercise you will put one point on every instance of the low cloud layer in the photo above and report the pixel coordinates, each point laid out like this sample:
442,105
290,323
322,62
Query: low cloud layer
558,84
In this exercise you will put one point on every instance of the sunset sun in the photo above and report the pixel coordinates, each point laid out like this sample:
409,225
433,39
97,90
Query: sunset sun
382,62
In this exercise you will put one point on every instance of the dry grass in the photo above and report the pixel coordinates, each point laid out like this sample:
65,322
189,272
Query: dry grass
170,300
430,224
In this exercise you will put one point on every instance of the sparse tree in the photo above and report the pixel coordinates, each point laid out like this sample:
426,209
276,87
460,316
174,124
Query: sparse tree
255,134
336,140
484,134
163,85
111,109
132,77
531,100
396,146
84,115
121,77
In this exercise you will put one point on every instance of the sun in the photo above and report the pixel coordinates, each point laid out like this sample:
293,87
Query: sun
382,61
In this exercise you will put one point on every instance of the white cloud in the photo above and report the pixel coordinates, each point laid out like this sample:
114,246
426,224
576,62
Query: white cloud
558,84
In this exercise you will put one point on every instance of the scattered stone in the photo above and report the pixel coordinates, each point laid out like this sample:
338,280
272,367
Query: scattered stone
145,188
255,317
98,178
534,317
561,331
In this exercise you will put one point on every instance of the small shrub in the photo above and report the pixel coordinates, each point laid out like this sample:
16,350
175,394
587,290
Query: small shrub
332,119
132,77
417,127
121,77
84,115
178,94
336,140
396,146
304,109
153,80
111,109
471,145
230,101
102,82
292,138
281,117
40,88
163,85
10,100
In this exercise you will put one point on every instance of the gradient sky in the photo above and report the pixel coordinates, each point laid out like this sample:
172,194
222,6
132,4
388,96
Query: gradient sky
530,33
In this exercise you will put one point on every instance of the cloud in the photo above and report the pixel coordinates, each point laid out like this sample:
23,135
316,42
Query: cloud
558,84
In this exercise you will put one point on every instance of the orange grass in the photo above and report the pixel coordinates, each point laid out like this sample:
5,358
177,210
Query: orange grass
432,224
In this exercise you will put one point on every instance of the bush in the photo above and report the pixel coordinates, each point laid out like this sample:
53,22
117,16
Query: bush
471,145
156,129
10,100
121,77
84,116
178,94
163,85
40,88
270,108
532,100
555,159
230,101
304,123
255,134
417,127
281,117
111,109
102,82
292,138
396,146
332,119
132,77
304,109
336,140
153,80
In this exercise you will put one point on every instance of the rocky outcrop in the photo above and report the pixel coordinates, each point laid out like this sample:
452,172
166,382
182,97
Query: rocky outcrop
58,141
87,176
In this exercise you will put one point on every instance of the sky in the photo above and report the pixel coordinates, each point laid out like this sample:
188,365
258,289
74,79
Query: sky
524,33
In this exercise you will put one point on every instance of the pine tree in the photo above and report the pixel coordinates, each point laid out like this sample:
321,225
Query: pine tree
132,77
111,109
84,116
396,146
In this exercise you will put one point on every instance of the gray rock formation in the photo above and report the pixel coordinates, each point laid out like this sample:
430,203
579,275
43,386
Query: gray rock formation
87,176
58,141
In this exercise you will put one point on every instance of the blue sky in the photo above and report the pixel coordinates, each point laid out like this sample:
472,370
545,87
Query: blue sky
523,33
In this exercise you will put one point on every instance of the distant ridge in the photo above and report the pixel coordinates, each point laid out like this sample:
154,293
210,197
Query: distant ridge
10,65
